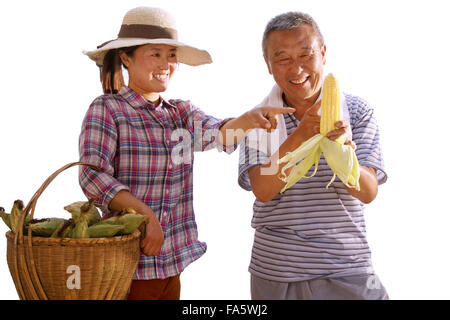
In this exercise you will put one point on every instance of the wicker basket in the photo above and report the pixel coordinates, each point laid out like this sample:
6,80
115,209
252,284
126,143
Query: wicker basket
70,269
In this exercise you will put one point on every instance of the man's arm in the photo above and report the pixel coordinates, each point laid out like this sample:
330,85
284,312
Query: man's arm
264,178
368,183
368,180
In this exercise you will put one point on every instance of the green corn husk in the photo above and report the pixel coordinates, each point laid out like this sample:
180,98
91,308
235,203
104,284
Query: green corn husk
5,217
44,227
61,228
131,221
110,220
104,230
84,214
16,214
78,208
67,230
127,218
80,229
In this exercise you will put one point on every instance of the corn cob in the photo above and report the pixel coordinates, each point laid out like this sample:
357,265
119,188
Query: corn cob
80,229
44,227
110,220
330,105
340,157
84,214
16,213
61,228
129,219
6,217
67,230
104,230
87,207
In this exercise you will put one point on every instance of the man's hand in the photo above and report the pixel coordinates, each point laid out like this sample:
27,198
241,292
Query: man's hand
342,128
309,123
368,180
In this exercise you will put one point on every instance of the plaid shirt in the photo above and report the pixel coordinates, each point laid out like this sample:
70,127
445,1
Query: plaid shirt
149,151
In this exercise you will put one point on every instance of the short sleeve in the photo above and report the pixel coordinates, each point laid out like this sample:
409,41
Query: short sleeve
250,155
366,136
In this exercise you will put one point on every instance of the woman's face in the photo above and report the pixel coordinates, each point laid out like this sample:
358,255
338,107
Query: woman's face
151,67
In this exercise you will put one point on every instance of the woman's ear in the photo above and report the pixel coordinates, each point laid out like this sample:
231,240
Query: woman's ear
124,58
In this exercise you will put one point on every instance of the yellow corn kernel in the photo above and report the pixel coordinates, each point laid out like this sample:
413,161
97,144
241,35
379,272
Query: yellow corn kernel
330,105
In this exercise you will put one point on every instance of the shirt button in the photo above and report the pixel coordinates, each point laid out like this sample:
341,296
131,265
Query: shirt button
165,213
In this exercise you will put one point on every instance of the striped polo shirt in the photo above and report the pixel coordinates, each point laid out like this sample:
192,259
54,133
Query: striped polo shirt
310,231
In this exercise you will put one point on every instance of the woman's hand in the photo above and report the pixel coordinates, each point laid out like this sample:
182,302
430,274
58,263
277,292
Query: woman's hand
265,117
234,130
154,237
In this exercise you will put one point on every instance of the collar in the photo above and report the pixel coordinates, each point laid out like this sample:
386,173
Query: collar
138,101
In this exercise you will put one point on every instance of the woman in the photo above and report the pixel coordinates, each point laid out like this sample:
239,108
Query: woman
145,144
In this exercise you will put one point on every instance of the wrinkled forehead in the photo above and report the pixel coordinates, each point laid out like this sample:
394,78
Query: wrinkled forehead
300,38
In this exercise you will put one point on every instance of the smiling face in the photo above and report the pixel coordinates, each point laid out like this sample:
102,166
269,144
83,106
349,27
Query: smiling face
150,69
296,59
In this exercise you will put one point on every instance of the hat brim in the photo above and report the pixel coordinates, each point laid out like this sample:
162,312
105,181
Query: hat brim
185,54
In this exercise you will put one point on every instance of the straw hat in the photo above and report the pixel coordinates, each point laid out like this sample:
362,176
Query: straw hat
145,25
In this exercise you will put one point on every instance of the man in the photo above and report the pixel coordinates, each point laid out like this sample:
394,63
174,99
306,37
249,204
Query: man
310,241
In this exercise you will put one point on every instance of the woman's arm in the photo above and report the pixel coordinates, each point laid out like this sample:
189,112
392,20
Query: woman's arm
234,130
97,145
154,236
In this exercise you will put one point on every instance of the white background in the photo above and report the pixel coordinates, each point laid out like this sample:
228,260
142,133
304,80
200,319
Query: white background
394,54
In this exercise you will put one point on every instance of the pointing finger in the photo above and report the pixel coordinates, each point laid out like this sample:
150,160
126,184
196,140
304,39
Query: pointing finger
286,110
278,110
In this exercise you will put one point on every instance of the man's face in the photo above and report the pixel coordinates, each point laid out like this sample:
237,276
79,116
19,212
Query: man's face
296,59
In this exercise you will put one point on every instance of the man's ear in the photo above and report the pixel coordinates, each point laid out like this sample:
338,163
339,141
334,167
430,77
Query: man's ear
268,65
323,50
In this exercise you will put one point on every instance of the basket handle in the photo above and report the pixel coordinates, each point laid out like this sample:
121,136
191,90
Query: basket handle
32,203
30,275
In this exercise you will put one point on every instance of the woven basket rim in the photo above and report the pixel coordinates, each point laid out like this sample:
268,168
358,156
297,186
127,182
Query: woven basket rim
21,247
77,242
